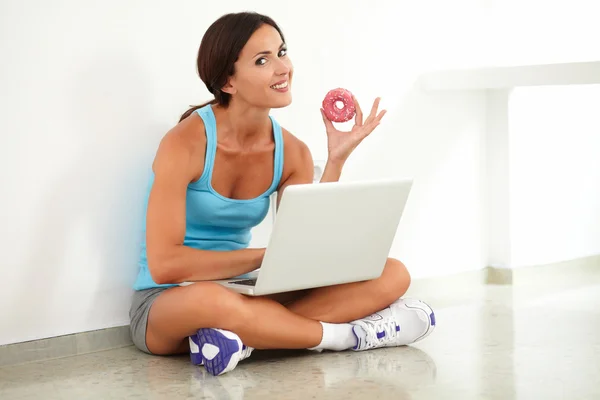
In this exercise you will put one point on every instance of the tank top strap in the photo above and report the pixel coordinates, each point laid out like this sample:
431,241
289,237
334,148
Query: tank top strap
210,126
278,161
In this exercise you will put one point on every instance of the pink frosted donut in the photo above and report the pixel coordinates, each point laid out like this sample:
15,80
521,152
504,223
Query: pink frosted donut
332,112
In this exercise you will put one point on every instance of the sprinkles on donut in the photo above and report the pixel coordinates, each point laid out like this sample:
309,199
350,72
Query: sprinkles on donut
332,112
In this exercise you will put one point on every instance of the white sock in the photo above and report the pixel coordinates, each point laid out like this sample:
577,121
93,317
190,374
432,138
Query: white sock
336,337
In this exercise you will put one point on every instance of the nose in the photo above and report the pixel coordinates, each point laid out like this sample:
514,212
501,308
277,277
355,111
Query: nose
282,68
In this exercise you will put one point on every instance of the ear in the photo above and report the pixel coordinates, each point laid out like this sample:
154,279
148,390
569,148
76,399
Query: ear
229,88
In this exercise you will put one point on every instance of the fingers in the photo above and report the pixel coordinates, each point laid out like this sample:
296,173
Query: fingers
371,125
373,111
380,116
359,114
364,128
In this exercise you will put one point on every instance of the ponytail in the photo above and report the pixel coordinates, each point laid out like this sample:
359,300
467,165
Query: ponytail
194,108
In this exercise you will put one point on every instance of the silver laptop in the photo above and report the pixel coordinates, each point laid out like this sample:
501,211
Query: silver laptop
327,234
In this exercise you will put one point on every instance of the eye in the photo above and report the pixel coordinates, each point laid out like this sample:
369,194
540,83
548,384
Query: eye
263,60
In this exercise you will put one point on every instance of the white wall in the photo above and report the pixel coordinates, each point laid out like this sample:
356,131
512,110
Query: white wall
89,88
554,174
522,32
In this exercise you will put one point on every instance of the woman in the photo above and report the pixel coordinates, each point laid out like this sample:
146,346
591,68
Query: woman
212,177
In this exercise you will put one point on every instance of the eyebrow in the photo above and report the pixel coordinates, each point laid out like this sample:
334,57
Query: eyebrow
267,52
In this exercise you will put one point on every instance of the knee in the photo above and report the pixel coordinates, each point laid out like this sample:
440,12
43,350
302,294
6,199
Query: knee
395,280
224,308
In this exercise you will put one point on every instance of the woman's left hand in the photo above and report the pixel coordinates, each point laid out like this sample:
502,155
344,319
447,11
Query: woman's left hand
341,144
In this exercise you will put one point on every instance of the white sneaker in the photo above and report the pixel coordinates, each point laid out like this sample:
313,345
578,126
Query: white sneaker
221,350
405,321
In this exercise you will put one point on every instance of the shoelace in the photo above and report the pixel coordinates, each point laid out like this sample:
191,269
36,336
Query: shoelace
372,329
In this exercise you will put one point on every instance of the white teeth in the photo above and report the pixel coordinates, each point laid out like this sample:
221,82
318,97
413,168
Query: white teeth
280,86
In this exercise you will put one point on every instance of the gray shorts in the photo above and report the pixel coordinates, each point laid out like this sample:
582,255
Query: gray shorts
138,315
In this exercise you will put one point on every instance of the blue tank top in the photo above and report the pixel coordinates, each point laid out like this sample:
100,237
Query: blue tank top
215,222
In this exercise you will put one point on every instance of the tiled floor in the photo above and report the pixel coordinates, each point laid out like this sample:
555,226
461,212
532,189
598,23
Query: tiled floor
497,342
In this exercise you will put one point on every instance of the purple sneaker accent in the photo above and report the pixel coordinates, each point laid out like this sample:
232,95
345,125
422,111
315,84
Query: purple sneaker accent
196,358
404,322
227,347
357,338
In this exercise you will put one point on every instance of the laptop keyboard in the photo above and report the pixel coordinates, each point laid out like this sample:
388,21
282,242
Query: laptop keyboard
249,282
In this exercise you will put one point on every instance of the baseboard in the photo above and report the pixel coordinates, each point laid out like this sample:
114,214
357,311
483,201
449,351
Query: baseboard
461,288
448,290
443,291
498,276
65,346
569,272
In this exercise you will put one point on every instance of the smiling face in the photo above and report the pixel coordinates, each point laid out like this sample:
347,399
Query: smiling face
263,71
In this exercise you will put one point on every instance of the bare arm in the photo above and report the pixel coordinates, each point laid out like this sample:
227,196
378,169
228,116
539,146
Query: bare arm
303,169
169,260
332,172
